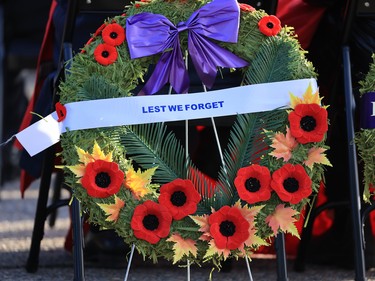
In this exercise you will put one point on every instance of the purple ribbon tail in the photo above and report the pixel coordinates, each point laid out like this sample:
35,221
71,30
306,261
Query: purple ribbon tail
170,68
207,56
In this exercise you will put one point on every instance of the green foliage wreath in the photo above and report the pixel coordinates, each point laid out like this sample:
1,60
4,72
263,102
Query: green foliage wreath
365,140
151,194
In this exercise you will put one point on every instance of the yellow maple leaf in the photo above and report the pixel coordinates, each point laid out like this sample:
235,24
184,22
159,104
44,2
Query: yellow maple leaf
113,210
98,154
283,145
283,218
138,181
316,155
78,170
182,247
307,98
85,157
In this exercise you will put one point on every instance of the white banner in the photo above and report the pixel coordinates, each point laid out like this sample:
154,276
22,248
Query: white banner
161,108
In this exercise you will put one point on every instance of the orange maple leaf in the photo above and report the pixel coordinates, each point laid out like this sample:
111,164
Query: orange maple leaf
283,218
249,213
182,247
316,155
113,210
213,250
138,181
202,221
253,239
283,145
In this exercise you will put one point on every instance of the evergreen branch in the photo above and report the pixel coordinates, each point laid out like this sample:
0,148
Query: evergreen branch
96,87
269,63
149,145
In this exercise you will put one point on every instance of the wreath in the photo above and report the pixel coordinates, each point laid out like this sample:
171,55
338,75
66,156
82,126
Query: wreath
365,138
137,179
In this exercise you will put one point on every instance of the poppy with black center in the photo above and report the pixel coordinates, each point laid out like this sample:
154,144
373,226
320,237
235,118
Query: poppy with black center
308,123
151,222
102,178
228,228
291,183
105,54
113,34
253,183
180,197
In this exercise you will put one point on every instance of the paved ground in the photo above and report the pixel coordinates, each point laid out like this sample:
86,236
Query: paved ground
16,224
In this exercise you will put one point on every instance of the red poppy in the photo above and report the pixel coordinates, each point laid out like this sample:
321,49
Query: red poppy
308,123
246,7
151,222
291,183
61,111
105,54
253,183
113,34
269,25
228,228
180,197
102,178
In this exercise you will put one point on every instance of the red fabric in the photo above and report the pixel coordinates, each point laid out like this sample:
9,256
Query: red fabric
302,16
324,220
45,56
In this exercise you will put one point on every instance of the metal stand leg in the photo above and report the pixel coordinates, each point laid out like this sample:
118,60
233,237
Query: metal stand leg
2,51
299,263
78,264
248,269
41,211
188,271
56,195
353,171
129,263
282,274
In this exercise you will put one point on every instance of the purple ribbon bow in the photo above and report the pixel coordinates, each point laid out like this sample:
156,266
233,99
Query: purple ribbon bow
149,34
